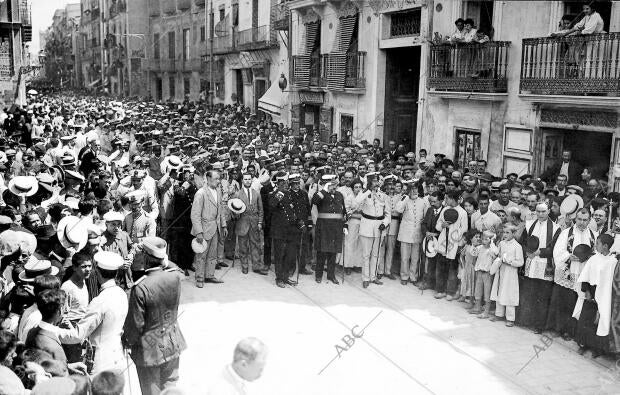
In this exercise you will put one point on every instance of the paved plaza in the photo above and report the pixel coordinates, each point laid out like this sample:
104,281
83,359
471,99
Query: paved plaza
407,342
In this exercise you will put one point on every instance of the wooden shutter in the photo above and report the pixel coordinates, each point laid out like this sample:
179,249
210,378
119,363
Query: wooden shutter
337,62
325,122
302,63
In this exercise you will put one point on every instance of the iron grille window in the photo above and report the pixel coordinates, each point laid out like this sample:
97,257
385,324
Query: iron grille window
404,24
468,147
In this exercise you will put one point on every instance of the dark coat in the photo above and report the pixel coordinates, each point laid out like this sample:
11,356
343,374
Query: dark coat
284,221
574,172
328,236
151,328
429,222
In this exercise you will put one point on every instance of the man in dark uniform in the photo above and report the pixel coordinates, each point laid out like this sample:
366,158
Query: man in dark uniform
301,207
330,227
179,233
151,328
284,229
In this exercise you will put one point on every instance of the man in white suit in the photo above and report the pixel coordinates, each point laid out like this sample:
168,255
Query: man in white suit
208,224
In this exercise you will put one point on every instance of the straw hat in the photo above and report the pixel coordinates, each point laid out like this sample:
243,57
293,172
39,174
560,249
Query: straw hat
199,248
24,185
35,267
430,247
236,205
72,231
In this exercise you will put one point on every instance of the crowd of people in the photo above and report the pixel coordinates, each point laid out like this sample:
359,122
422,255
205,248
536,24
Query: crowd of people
106,205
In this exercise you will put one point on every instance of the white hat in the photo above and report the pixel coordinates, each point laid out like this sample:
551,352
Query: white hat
155,246
24,185
199,248
570,205
171,162
108,260
236,205
72,231
430,247
35,267
135,196
112,216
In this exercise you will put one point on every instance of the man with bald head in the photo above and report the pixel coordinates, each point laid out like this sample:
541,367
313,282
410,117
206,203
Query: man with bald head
249,360
535,290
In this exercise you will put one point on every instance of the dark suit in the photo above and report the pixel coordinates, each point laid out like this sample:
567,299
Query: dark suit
152,331
265,191
249,236
43,339
285,233
574,172
429,224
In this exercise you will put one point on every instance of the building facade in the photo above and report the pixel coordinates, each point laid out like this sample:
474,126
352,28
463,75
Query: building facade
15,34
521,99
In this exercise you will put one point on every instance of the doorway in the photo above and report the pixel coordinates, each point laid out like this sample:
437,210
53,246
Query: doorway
260,87
158,89
239,86
401,96
310,117
591,150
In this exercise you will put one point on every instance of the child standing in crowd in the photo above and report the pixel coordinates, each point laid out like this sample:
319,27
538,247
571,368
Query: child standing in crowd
466,267
487,252
505,291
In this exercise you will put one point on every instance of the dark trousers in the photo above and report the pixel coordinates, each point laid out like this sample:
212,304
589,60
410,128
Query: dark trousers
321,258
284,257
445,275
294,256
154,379
431,268
266,247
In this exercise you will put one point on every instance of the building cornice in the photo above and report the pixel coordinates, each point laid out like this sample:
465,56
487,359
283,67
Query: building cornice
481,96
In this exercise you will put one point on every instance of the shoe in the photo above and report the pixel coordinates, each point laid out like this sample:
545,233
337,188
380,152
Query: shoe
262,272
377,282
347,271
510,323
333,280
305,271
222,264
365,284
440,295
290,282
422,286
403,282
596,353
186,272
496,318
213,280
244,270
469,307
318,280
483,315
379,276
566,337
280,284
391,276
475,311
538,331
462,299
200,283
581,350
449,298
217,266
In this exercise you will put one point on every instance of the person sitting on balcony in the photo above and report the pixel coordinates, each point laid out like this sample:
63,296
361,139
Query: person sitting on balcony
564,27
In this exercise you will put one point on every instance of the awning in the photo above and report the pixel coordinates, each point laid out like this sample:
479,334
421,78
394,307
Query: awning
95,82
271,101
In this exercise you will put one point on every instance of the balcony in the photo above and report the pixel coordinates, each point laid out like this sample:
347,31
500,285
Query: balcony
469,67
280,16
223,44
354,70
587,65
262,37
310,71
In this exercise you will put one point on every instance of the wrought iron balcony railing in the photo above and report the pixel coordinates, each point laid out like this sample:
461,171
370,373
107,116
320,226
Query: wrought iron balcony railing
262,37
310,70
331,71
354,75
469,67
405,24
575,65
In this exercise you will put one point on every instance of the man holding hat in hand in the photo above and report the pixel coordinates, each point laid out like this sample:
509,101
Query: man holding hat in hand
330,227
151,328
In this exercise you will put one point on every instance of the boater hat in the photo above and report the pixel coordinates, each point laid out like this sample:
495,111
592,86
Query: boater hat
430,247
72,231
35,267
236,206
570,205
24,185
199,248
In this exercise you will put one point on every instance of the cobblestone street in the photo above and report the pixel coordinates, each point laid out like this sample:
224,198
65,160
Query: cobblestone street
410,344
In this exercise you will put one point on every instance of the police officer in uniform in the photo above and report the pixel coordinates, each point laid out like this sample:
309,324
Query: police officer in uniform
301,207
284,229
376,216
151,328
330,227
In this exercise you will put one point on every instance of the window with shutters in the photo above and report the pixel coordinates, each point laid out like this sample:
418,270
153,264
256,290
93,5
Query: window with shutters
171,45
186,43
156,46
344,63
235,14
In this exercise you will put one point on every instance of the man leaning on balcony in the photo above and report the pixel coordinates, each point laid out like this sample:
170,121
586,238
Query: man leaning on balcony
591,23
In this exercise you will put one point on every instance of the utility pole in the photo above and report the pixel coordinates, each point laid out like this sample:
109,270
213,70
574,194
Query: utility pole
211,31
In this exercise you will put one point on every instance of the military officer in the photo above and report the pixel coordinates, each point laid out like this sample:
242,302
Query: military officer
301,207
151,328
376,216
330,227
